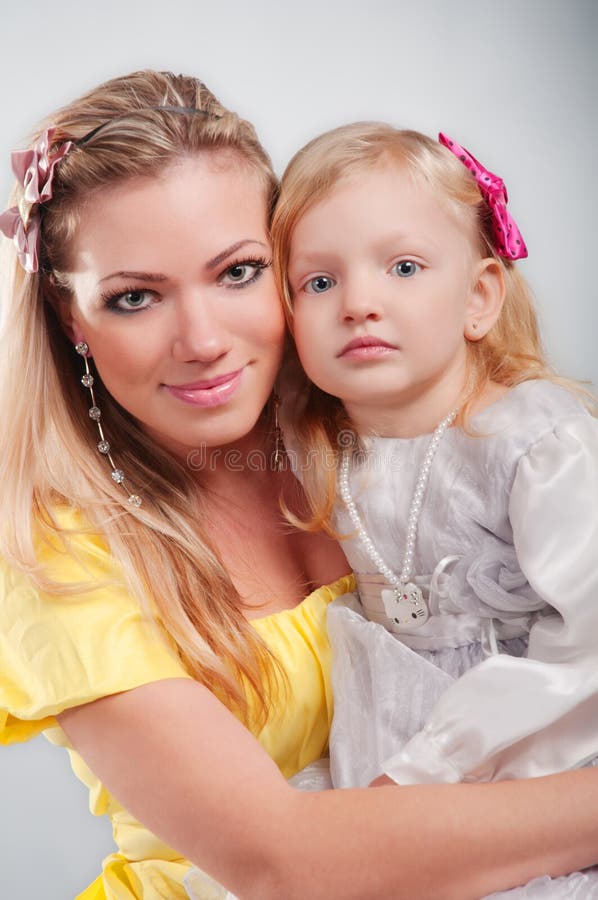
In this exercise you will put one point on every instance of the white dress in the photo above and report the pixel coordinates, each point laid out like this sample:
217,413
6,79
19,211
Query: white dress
502,680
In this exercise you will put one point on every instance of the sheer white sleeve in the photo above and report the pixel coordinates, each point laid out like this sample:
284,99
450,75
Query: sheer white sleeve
512,717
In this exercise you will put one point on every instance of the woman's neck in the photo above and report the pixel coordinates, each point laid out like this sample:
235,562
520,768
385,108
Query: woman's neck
250,459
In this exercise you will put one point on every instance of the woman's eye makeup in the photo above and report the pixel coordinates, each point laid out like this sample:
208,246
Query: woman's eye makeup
239,274
319,285
130,300
243,272
405,268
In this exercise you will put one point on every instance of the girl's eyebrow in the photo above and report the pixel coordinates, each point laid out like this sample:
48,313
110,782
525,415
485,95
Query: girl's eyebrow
309,257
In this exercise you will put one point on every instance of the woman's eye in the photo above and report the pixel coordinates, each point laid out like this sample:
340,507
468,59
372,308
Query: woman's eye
242,273
129,301
406,268
319,284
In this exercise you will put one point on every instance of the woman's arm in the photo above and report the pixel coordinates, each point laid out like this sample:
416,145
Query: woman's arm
185,767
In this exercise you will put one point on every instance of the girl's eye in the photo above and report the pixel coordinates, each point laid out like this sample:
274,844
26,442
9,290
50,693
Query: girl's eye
130,301
243,273
319,284
406,268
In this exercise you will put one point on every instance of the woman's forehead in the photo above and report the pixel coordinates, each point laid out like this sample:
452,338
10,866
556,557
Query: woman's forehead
192,202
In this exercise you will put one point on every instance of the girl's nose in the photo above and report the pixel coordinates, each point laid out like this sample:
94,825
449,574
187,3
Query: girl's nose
358,301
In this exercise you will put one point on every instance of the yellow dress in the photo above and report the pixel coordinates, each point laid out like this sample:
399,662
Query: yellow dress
59,651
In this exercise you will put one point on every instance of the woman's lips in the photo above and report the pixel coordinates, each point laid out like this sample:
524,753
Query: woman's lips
366,348
209,392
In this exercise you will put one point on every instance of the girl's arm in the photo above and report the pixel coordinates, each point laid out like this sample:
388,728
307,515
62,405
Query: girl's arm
185,767
515,717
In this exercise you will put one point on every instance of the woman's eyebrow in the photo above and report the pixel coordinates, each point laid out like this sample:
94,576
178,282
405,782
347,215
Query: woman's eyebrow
211,264
137,276
220,257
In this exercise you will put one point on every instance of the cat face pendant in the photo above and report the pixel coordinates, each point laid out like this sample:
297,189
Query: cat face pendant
405,606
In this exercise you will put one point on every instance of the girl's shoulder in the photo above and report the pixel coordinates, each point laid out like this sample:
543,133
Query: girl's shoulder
530,409
523,419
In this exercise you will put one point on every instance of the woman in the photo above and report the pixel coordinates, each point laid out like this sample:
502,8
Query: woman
149,587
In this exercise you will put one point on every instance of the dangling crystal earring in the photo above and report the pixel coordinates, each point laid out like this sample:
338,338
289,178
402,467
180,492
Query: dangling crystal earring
96,414
277,459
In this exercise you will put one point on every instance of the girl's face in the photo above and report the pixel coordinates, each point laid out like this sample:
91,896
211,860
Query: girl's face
384,283
174,295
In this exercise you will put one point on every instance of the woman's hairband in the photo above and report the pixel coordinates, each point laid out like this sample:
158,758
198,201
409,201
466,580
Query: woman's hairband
185,110
507,237
34,171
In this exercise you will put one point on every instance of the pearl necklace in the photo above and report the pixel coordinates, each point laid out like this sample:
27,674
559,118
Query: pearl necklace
404,604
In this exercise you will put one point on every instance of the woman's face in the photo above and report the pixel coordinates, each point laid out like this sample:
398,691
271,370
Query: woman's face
174,294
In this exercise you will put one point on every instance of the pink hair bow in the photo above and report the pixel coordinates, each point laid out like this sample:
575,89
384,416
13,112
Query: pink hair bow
34,170
508,240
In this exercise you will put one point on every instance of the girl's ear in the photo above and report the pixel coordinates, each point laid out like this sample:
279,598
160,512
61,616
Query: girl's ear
485,299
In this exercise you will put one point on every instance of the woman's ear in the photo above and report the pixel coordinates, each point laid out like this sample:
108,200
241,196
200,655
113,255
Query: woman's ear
62,305
485,299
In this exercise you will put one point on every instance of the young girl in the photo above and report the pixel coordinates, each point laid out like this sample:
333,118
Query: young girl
468,501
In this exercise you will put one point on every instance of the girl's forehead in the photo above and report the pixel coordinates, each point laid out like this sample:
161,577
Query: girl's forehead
384,207
386,187
385,177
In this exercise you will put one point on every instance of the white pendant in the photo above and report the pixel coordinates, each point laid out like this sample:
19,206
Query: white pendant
405,606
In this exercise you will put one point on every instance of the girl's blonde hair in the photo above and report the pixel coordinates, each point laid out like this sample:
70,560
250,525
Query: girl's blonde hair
48,455
510,353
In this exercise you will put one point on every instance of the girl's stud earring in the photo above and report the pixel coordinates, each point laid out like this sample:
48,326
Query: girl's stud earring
95,413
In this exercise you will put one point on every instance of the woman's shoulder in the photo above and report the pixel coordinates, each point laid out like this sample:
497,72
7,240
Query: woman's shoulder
69,547
66,549
72,631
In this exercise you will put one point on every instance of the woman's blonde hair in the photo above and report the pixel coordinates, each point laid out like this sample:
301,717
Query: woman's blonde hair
48,455
510,353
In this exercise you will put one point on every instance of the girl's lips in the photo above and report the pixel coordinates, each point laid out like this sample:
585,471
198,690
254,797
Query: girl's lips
210,392
366,348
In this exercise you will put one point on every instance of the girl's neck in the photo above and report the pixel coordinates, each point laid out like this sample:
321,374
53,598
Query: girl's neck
408,416
419,415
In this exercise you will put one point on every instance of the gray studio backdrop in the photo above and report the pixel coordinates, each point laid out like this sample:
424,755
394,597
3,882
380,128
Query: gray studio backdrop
515,82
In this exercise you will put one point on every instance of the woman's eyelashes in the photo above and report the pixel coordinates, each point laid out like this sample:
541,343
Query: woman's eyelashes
243,272
130,300
239,274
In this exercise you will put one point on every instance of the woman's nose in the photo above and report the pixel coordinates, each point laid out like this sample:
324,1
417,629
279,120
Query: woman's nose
201,334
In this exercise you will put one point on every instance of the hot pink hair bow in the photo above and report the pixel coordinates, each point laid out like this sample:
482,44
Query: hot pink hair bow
508,240
34,170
